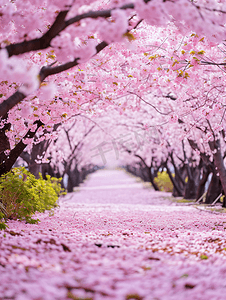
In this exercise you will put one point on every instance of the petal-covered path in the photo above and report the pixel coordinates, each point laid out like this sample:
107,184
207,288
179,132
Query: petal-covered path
113,239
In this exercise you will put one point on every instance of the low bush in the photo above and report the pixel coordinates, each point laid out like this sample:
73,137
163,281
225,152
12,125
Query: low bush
21,195
163,182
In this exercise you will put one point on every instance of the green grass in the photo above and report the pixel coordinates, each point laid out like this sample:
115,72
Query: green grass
185,201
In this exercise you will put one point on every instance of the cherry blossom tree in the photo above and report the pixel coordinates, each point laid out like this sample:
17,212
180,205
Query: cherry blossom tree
66,154
163,48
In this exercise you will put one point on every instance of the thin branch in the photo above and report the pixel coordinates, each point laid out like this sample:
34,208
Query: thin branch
212,63
68,138
211,129
223,116
71,157
162,113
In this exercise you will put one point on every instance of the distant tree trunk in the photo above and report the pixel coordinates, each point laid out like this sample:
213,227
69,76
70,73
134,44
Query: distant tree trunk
70,183
178,192
190,189
152,179
37,149
148,172
85,171
217,167
193,181
178,180
73,176
218,162
214,189
206,170
224,201
47,170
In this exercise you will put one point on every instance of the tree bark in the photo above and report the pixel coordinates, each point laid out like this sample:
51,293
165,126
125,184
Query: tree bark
7,161
202,182
214,189
218,162
193,181
190,189
4,141
178,191
151,178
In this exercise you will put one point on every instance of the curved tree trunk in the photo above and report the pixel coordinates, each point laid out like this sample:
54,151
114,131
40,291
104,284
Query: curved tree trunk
151,178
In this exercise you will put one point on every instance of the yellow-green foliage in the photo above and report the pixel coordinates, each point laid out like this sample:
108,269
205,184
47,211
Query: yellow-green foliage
163,182
21,195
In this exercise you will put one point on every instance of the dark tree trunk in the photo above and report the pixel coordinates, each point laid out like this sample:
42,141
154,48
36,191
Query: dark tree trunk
70,183
190,189
192,183
202,182
151,178
4,141
224,202
177,192
73,179
147,170
214,189
47,170
179,173
37,149
7,161
219,163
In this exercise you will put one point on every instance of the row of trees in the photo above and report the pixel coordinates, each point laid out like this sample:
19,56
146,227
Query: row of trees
63,157
144,151
160,63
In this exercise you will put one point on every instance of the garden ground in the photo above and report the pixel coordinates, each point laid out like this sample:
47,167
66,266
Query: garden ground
115,239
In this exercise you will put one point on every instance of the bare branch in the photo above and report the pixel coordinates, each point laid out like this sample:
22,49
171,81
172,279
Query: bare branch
68,138
162,113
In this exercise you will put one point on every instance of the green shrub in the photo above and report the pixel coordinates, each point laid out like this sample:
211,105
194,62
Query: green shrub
2,224
163,182
21,195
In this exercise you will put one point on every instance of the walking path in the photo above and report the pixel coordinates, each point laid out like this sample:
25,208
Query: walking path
113,239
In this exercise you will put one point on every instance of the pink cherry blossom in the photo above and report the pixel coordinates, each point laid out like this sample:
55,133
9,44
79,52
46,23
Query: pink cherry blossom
111,244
